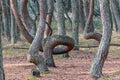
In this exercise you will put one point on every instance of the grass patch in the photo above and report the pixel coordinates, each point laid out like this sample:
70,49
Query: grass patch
30,77
107,78
46,72
117,73
10,51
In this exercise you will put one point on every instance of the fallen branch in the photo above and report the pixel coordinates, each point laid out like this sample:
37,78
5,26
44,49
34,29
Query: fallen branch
82,46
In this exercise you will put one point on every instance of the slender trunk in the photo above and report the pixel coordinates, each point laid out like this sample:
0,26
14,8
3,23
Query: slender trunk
87,33
100,57
29,23
48,30
75,22
6,19
2,75
82,16
60,17
116,11
87,11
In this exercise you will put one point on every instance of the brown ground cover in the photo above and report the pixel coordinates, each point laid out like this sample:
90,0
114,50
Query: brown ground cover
76,67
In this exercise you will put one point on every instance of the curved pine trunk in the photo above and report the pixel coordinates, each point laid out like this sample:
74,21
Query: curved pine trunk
100,57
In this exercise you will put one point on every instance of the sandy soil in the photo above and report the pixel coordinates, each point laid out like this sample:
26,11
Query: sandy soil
76,67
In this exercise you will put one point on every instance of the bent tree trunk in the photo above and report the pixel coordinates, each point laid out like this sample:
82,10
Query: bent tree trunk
50,48
48,30
87,33
100,57
38,44
61,20
29,23
86,4
33,55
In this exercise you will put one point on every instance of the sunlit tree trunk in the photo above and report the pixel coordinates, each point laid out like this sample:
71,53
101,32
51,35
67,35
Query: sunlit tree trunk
75,22
101,55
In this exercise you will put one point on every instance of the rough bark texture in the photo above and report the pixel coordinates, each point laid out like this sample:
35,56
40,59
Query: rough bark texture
98,62
37,41
60,17
2,76
29,23
81,15
6,18
87,33
116,11
33,55
87,12
27,36
75,22
50,48
49,17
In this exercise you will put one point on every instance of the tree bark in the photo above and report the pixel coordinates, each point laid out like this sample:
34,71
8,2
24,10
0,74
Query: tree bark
75,22
6,19
60,17
33,55
87,33
48,30
2,75
61,20
29,23
81,15
116,12
87,11
100,57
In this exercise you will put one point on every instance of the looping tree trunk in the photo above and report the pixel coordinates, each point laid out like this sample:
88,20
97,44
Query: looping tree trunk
87,33
36,45
50,47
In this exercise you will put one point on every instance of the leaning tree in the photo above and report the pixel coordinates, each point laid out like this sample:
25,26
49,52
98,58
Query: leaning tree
47,45
101,55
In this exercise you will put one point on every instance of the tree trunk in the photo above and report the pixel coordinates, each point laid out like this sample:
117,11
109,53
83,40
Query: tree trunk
29,23
48,30
81,16
75,22
116,11
13,30
87,11
61,20
100,57
6,18
87,33
60,17
33,55
2,75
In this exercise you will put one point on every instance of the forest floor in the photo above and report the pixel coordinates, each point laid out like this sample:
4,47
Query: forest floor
76,67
